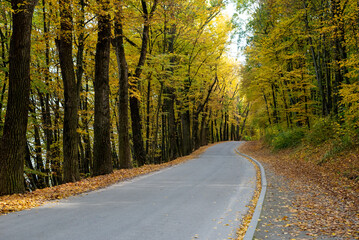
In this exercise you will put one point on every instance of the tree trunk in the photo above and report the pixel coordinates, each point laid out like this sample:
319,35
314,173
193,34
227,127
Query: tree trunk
318,71
123,132
102,125
275,108
148,109
169,99
41,181
154,144
168,109
13,141
70,137
32,176
244,121
4,48
186,133
138,146
204,130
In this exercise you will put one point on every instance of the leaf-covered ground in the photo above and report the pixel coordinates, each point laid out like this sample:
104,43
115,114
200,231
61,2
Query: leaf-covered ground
322,200
18,202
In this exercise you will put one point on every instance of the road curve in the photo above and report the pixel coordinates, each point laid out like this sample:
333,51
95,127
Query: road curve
201,199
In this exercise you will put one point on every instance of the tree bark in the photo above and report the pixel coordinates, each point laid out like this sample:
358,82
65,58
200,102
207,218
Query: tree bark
70,137
138,146
123,133
41,181
186,133
244,121
169,101
13,141
318,71
102,125
4,48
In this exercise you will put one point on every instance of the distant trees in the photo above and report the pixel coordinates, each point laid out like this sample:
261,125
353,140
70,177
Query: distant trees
302,62
98,66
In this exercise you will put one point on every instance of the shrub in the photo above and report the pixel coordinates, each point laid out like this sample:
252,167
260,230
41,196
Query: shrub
270,134
290,138
323,130
281,139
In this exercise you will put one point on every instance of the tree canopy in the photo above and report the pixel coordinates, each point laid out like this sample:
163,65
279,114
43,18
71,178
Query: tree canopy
117,84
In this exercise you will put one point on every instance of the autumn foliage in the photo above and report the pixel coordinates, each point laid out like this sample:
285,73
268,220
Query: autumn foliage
301,75
119,84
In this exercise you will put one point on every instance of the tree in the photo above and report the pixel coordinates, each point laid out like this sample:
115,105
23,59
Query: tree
71,93
13,141
102,125
167,65
123,133
138,146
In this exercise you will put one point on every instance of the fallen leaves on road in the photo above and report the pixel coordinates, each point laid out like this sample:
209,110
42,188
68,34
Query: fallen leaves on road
18,202
326,203
246,220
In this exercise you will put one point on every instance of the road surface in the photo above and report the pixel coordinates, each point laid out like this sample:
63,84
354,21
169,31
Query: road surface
201,199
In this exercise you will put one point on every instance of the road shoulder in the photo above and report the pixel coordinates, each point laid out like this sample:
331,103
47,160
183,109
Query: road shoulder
297,204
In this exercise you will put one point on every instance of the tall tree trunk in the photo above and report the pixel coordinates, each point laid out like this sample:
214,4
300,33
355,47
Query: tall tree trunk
328,79
41,181
154,144
204,130
123,133
4,48
195,131
169,99
70,137
83,161
318,71
102,125
45,100
115,159
244,121
266,102
186,133
148,109
138,146
87,162
32,176
275,107
13,141
168,109
340,53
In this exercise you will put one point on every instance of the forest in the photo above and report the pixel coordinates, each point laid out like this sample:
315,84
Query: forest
89,86
301,73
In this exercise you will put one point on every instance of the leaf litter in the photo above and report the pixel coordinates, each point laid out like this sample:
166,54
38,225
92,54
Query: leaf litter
325,202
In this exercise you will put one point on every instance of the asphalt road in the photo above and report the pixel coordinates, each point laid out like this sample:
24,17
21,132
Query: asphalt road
201,199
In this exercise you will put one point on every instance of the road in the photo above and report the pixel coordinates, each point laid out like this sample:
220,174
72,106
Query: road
203,198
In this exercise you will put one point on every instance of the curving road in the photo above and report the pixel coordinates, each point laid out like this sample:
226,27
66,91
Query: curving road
201,199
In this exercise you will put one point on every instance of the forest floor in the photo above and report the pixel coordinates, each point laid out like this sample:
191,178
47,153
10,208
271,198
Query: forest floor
19,202
306,197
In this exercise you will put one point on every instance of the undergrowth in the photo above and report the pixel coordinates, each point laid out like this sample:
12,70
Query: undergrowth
326,142
281,139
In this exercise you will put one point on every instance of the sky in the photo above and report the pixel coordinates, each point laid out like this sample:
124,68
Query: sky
235,50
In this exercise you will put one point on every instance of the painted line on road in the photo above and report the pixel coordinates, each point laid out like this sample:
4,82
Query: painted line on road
257,211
